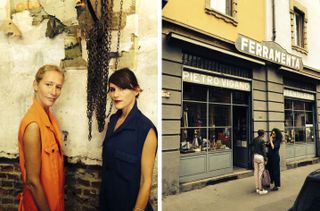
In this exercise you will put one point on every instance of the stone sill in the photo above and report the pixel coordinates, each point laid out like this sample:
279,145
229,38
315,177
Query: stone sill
226,18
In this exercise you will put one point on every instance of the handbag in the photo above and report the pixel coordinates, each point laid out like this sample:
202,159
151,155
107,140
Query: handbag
265,180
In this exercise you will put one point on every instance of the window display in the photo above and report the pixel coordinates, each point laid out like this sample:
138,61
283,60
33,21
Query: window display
206,123
299,121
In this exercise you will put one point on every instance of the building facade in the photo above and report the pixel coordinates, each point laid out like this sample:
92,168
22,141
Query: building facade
226,75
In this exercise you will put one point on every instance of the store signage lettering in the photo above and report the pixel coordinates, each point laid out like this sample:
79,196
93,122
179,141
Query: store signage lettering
215,81
268,50
296,94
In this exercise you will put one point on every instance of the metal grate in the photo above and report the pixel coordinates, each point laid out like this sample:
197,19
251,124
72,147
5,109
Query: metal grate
209,64
299,84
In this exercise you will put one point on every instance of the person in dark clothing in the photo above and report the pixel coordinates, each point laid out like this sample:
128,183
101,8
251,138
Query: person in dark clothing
259,158
274,158
129,149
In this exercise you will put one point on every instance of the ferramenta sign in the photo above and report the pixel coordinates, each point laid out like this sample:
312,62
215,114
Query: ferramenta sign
268,50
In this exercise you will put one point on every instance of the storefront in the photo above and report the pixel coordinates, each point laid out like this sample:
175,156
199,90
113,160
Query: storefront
300,122
214,126
224,97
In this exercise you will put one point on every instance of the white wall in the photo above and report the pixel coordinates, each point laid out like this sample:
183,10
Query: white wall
283,29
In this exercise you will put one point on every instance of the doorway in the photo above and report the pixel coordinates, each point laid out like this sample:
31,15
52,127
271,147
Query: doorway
241,136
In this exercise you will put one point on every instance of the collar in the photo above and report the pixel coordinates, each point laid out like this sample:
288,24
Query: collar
129,121
44,116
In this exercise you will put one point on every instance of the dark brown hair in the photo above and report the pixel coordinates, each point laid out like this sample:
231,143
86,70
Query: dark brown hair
125,79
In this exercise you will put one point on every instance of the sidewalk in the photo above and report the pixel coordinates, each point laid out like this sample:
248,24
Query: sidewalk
240,195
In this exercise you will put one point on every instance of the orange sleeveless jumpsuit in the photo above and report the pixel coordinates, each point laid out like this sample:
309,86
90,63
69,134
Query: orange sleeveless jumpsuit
52,169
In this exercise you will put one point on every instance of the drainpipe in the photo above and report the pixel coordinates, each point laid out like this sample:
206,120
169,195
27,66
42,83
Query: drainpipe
273,21
267,100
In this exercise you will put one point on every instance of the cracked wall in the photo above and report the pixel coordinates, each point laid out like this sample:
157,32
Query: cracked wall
22,55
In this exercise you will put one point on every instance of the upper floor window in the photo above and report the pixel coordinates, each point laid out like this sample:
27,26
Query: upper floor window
299,20
223,9
224,6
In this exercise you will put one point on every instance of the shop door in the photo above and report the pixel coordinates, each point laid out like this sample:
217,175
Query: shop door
240,136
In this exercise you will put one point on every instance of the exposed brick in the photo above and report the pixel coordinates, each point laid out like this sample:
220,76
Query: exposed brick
7,168
13,176
89,192
78,191
96,184
84,182
7,184
3,175
7,201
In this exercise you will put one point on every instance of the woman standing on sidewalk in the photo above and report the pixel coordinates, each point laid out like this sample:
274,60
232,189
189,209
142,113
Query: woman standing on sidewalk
260,158
274,158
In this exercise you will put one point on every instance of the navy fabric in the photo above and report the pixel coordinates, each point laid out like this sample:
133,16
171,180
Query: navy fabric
121,169
273,164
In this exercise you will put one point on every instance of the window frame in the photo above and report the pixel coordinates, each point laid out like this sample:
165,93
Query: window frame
230,18
297,8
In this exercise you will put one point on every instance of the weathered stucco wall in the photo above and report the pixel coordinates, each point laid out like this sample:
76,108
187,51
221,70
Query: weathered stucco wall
21,57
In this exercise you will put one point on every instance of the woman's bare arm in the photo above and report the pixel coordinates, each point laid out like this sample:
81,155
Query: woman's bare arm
32,153
147,164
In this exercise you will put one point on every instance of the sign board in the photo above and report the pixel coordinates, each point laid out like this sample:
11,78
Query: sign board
268,50
198,78
297,94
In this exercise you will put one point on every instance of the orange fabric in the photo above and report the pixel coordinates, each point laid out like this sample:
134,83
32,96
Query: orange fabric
52,168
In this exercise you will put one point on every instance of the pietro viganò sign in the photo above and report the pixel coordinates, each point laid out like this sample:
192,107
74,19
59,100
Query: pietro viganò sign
210,80
268,50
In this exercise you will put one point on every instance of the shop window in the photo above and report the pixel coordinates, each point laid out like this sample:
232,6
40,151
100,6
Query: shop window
299,122
207,123
299,20
220,96
223,9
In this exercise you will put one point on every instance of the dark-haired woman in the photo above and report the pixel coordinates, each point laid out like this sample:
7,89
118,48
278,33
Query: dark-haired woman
273,164
129,149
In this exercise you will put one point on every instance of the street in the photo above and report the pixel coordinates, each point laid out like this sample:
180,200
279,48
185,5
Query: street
240,195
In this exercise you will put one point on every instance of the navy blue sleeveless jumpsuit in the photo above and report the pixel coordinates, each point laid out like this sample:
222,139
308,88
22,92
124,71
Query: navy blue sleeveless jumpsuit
121,168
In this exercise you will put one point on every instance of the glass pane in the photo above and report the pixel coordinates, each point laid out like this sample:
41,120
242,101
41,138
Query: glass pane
310,134
299,135
219,95
288,118
240,98
220,138
289,135
219,115
240,126
194,92
298,105
309,118
288,104
195,113
218,5
193,140
299,119
309,106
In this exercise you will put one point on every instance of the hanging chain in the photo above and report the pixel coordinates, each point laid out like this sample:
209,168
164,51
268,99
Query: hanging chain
119,35
99,48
